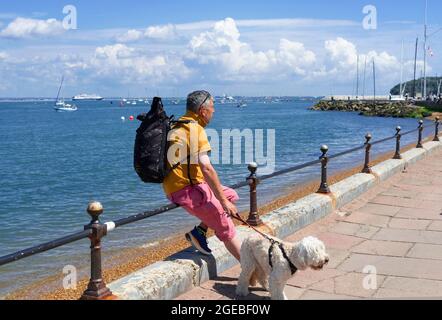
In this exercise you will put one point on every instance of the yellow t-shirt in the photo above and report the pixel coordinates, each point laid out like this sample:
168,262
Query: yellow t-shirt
178,151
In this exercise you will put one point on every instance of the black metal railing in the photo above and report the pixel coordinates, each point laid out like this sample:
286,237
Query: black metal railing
96,230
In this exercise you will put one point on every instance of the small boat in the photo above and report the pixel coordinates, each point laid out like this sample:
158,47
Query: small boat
60,105
65,107
242,104
227,99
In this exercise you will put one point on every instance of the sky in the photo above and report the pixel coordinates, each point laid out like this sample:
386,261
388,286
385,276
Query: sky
171,47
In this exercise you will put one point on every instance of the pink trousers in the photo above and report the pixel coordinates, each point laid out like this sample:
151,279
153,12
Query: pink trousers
200,201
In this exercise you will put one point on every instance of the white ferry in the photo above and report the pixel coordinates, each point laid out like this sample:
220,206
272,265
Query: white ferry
87,97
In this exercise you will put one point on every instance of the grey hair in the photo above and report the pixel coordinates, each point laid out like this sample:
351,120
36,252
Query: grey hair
198,99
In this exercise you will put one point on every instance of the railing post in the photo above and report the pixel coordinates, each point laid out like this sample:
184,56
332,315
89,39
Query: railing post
436,134
253,181
367,168
397,155
421,129
324,161
96,289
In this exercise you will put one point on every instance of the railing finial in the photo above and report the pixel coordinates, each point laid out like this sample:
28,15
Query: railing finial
96,289
252,180
95,209
421,129
397,154
323,188
367,168
436,134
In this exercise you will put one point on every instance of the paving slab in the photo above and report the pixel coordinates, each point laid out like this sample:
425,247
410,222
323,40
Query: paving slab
402,235
398,287
380,209
426,251
383,248
394,266
367,219
410,224
435,226
354,229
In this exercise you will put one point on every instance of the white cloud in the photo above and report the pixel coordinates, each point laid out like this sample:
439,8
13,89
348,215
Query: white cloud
170,31
165,32
295,56
342,56
340,64
305,23
269,23
114,53
131,64
26,28
161,32
223,50
208,53
129,36
341,53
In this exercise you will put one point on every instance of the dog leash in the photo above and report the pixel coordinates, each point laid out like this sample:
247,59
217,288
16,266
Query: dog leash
273,242
238,217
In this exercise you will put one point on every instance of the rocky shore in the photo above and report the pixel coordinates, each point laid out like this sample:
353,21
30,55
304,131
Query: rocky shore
395,109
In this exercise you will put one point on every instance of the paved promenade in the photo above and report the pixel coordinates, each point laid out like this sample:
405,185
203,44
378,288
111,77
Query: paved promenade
395,229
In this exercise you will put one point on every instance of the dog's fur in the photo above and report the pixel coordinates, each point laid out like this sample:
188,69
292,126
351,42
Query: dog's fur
309,252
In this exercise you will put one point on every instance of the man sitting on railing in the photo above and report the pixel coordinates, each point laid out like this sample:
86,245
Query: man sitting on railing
197,188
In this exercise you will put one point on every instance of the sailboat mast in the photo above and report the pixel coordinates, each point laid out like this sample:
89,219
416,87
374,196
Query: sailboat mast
415,66
402,68
59,89
365,71
374,82
357,78
425,51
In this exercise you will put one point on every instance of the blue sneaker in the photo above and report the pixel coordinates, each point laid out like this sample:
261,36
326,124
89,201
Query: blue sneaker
197,237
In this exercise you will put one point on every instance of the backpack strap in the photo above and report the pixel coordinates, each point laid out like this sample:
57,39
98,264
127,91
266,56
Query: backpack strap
188,170
189,177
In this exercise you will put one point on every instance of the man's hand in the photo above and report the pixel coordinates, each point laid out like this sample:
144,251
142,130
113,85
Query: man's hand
229,207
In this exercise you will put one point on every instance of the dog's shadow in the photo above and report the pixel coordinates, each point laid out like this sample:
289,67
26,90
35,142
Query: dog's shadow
226,289
225,286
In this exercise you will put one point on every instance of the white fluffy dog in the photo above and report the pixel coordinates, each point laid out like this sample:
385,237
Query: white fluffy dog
272,265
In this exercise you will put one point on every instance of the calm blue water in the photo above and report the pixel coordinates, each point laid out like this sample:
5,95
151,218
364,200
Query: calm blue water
52,164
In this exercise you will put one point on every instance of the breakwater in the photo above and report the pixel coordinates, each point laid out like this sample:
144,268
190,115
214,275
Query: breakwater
395,109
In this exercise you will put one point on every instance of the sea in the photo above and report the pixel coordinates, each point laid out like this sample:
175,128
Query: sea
53,164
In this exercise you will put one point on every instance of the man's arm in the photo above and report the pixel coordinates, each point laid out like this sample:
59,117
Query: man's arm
212,180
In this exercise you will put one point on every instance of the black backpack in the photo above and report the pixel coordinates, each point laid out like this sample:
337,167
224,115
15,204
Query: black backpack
150,151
